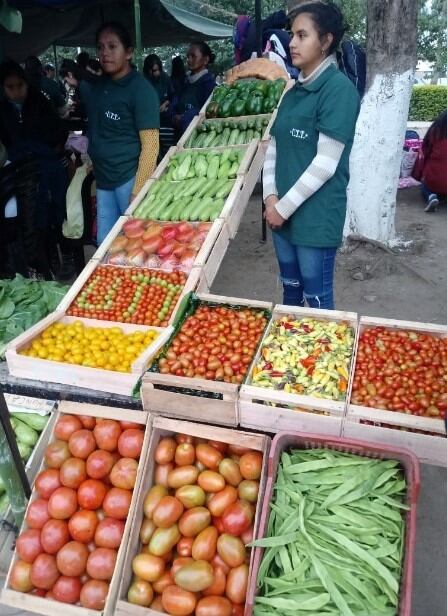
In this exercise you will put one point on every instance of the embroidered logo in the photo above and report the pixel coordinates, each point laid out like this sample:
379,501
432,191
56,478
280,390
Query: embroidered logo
299,134
112,116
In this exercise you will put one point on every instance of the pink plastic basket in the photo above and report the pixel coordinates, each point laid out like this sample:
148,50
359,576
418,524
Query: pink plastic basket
410,465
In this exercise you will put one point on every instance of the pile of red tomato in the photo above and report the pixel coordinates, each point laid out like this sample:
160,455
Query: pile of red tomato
75,521
198,519
217,343
401,370
129,295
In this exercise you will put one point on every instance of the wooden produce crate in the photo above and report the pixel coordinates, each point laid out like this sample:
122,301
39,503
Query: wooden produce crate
184,398
99,379
424,436
162,427
275,411
48,607
198,121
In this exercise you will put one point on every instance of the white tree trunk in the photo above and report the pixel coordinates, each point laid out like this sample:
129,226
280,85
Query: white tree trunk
376,157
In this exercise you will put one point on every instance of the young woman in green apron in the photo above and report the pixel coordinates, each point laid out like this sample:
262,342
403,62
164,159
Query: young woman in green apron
306,170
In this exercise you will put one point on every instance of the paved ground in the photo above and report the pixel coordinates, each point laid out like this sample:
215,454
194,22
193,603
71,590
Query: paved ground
411,285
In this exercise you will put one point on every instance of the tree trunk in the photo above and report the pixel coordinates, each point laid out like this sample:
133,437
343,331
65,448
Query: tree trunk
391,53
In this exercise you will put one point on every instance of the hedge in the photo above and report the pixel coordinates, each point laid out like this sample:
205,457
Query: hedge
427,102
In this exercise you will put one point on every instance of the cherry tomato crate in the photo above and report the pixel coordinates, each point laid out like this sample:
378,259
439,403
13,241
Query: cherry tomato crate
194,398
273,411
40,605
111,381
424,436
161,427
297,440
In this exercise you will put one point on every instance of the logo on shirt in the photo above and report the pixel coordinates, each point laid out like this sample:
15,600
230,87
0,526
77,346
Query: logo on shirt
299,134
112,116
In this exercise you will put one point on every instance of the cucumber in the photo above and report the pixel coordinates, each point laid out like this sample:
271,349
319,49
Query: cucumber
224,190
216,187
162,204
209,138
233,137
25,433
179,208
205,205
249,135
189,209
205,188
194,187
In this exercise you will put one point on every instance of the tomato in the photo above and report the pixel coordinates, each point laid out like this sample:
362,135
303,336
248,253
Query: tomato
65,426
130,443
94,594
62,503
221,500
148,567
177,601
116,503
229,469
194,521
180,562
146,531
195,576
56,453
109,533
237,450
91,494
107,433
185,454
152,498
248,490
46,482
237,610
54,535
167,512
67,589
28,545
140,593
184,546
247,535
99,464
237,518
250,465
217,562
204,546
81,443
82,525
163,582
157,604
72,558
213,606
237,582
101,564
20,577
191,496
162,472
219,445
217,588
185,438
209,456
44,572
231,550
165,451
124,473
163,540
211,481
182,475
72,473
87,421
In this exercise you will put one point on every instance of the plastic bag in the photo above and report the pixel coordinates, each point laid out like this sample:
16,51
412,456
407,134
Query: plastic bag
73,226
408,160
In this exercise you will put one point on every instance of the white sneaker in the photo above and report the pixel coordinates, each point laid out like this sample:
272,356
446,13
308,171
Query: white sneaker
432,204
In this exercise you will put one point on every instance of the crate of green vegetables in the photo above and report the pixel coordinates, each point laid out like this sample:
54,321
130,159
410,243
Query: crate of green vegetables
337,530
222,132
302,374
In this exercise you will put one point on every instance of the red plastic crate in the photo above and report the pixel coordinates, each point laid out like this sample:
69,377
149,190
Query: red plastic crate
410,465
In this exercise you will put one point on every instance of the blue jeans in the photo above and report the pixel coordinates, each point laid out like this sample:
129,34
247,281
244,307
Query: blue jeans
307,273
110,205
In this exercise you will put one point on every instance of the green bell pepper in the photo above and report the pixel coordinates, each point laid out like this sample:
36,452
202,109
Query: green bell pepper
238,108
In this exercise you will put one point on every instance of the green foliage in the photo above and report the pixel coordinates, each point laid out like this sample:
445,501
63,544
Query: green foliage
427,102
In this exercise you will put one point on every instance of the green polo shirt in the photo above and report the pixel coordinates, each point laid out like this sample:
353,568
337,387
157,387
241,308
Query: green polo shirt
329,105
117,111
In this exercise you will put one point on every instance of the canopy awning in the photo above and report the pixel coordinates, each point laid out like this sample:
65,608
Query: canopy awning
73,24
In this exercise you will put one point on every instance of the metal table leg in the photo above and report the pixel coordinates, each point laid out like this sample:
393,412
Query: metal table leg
11,440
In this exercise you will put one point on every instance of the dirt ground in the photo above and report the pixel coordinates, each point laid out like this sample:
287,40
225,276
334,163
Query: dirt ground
411,285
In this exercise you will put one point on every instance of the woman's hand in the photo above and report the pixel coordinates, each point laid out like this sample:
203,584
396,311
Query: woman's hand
164,106
271,215
71,80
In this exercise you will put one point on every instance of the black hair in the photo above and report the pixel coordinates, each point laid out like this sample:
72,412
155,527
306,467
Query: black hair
34,71
205,50
327,17
83,58
9,68
151,60
436,132
119,30
178,70
94,64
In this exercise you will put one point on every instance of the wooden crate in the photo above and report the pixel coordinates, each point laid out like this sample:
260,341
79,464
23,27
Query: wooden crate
162,427
140,197
161,167
308,414
393,427
81,376
179,401
48,607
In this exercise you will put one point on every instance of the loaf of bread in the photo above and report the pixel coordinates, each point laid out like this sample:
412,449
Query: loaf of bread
260,68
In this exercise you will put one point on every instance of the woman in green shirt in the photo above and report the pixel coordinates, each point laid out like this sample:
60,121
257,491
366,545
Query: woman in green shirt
306,170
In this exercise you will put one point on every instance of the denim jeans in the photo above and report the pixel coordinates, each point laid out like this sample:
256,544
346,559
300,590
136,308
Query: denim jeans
307,274
110,205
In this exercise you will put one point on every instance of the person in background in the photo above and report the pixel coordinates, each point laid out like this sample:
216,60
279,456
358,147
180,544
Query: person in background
83,61
431,166
199,84
49,71
49,88
94,66
123,122
306,170
178,74
161,82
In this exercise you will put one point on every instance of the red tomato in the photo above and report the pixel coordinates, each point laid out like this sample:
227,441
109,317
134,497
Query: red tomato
204,546
152,498
101,564
182,476
221,500
124,473
177,601
237,582
56,453
185,454
99,464
107,433
210,481
81,443
37,513
163,582
229,469
82,525
194,521
54,535
213,606
217,588
218,562
44,572
73,473
130,443
109,533
148,567
222,447
46,482
165,451
72,558
184,546
117,503
20,578
238,610
28,545
62,503
87,421
237,518
67,589
167,512
209,456
162,472
94,594
91,494
65,426
231,550
250,465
